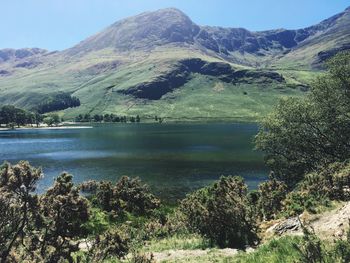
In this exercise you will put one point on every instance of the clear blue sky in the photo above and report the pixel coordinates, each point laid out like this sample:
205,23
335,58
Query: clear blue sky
59,24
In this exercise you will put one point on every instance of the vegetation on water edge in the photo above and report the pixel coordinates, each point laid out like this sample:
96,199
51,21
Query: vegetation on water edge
11,116
106,118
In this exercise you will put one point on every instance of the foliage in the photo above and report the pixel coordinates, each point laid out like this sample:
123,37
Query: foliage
127,195
58,102
303,135
11,115
98,222
275,251
106,118
63,212
51,120
111,244
311,249
142,258
342,248
18,204
318,189
221,213
271,195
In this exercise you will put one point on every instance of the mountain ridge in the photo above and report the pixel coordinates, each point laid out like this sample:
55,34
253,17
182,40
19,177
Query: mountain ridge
148,65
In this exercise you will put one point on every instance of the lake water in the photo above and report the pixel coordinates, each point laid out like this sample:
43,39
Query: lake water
173,159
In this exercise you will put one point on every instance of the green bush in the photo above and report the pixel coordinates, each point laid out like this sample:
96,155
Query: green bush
221,212
318,189
271,195
126,196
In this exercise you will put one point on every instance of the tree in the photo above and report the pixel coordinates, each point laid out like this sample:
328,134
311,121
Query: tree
107,118
221,213
64,211
51,120
58,102
301,136
19,206
136,196
10,115
98,118
20,117
38,118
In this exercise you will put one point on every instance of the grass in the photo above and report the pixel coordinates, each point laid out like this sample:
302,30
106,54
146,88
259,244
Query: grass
275,251
177,242
198,100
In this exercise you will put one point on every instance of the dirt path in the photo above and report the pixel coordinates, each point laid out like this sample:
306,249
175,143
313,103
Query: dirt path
328,225
174,255
332,224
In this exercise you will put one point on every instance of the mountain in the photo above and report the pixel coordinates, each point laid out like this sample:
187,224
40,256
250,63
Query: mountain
161,63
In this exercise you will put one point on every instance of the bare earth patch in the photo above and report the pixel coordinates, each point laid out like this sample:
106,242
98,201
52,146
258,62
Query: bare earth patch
328,225
219,87
173,255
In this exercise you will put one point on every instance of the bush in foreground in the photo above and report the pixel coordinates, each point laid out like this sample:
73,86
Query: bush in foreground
221,212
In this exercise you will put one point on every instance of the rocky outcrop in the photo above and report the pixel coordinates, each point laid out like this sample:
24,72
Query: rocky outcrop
289,225
103,67
183,71
27,64
155,89
324,55
4,72
17,54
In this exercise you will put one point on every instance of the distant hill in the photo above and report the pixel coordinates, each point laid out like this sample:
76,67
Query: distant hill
161,63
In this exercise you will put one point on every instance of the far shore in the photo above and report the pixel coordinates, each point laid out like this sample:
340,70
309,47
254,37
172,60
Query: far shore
46,128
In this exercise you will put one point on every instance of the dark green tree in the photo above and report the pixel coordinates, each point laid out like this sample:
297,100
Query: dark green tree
302,135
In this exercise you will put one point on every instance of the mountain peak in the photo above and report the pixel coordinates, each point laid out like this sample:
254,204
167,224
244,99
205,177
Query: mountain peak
143,31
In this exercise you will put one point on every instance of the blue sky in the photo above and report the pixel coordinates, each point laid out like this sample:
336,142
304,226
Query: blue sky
59,24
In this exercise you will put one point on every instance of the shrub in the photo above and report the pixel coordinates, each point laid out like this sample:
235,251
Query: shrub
18,206
113,243
311,249
221,213
342,248
63,213
126,196
271,195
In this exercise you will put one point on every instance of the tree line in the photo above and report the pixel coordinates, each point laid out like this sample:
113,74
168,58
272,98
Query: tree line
106,118
11,116
57,102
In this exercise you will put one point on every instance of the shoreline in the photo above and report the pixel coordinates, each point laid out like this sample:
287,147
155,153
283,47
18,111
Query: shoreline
47,128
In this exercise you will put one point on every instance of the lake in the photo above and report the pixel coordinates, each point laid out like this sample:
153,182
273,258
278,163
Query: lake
173,159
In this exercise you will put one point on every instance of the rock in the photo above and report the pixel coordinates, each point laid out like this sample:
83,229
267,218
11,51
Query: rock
4,72
289,225
181,74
